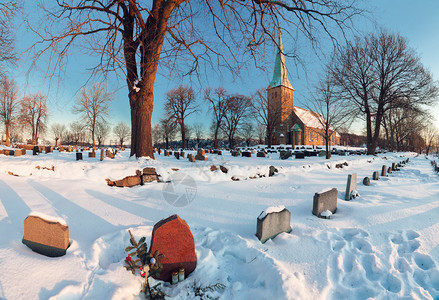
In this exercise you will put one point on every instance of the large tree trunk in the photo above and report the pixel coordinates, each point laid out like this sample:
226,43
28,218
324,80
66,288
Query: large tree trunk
141,104
7,134
183,136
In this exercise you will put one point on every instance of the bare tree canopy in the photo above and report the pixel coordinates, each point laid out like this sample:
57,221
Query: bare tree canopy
238,109
168,129
181,103
77,132
102,131
8,104
8,10
133,37
34,114
93,104
218,104
377,73
58,131
122,132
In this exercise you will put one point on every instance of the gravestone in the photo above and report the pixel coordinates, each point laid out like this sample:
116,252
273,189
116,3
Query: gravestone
177,155
182,154
92,154
271,222
271,171
235,153
46,236
389,170
70,148
78,155
325,200
246,154
260,154
384,171
351,187
300,155
220,152
393,166
191,157
366,181
285,155
174,239
375,175
102,154
200,155
35,150
18,152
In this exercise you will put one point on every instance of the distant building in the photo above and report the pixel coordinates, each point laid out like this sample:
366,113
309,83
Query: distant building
297,126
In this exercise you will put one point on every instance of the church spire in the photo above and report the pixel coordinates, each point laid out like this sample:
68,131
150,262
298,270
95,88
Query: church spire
280,74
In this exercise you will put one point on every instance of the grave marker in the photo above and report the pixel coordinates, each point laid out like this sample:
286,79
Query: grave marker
351,187
271,222
325,200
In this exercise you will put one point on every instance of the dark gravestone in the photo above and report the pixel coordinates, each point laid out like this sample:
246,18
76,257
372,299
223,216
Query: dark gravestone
45,236
271,171
177,155
393,166
351,187
272,222
92,154
260,154
235,153
182,154
246,154
389,170
384,171
78,155
23,151
35,150
191,157
325,200
174,239
285,155
220,152
300,155
375,175
313,153
366,181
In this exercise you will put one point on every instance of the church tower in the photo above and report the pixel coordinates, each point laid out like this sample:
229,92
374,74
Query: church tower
280,95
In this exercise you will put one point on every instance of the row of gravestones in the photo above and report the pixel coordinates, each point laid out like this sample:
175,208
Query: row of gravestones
271,224
16,152
104,152
171,236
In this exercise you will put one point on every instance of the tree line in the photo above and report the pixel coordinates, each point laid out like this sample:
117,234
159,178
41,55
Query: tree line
30,114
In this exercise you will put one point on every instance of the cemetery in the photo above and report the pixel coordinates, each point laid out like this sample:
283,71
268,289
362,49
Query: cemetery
61,213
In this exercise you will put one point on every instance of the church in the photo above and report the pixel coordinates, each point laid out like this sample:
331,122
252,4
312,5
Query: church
297,126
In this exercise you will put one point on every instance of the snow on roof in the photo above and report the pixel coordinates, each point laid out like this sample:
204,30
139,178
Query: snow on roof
310,118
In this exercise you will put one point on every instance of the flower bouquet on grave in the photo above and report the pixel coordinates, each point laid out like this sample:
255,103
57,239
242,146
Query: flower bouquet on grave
139,258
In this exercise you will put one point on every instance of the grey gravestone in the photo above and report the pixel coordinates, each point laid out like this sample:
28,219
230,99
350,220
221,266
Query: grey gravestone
285,155
384,171
272,224
351,187
366,181
78,155
375,175
271,171
102,154
325,200
300,155
260,154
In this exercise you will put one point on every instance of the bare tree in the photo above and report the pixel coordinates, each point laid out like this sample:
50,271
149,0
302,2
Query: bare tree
168,128
266,113
156,135
261,131
133,37
238,108
328,109
198,129
93,104
8,103
34,114
180,103
58,131
248,131
102,131
122,132
430,135
380,72
8,10
218,104
77,132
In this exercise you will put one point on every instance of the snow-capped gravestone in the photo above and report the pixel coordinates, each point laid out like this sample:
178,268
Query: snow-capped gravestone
46,235
173,238
273,221
351,187
325,200
201,155
384,171
375,175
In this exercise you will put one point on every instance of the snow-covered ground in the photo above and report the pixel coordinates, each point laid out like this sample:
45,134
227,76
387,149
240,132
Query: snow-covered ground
382,245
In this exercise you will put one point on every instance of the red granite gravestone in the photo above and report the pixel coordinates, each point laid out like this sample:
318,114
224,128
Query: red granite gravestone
173,238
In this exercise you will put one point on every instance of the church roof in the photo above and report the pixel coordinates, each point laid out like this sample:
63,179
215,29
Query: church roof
280,74
310,118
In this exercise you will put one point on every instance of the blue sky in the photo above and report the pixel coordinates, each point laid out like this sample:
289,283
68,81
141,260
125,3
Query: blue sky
418,23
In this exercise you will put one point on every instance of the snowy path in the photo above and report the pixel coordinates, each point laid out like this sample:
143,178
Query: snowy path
384,244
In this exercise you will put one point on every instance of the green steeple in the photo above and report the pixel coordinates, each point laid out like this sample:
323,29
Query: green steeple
280,74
